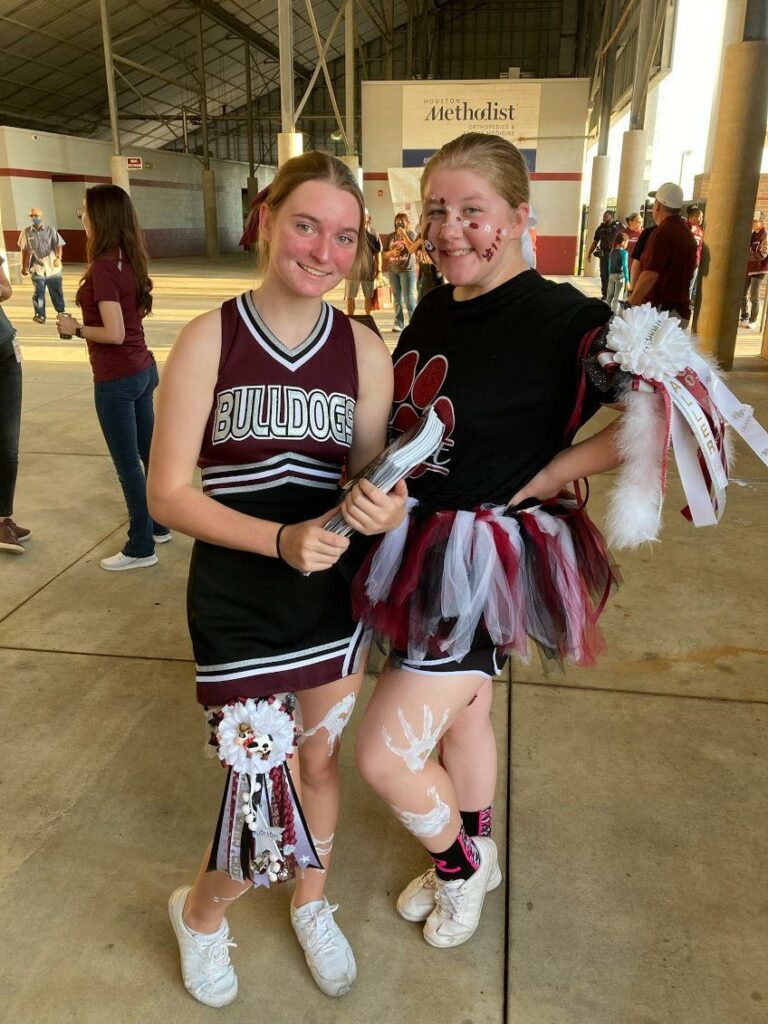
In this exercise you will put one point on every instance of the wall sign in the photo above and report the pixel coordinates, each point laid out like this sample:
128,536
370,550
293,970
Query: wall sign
134,163
436,112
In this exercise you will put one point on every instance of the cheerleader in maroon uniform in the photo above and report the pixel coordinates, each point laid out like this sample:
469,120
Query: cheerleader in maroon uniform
272,396
496,551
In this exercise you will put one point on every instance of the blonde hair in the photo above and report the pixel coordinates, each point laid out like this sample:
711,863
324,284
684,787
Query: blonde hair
498,161
314,166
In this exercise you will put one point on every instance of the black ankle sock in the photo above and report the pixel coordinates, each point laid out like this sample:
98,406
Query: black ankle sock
478,823
460,860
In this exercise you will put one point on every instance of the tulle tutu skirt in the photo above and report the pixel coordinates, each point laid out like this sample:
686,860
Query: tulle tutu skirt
445,583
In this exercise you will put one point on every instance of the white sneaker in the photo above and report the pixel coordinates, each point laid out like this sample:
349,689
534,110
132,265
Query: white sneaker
162,538
754,326
458,904
118,562
417,900
208,975
329,956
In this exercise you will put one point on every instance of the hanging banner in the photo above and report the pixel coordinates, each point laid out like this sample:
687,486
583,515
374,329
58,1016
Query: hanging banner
436,112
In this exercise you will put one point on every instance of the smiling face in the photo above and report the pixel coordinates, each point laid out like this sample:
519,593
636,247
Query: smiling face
312,237
471,232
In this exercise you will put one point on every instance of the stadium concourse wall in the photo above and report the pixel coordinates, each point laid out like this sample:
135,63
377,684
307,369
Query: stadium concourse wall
404,122
52,172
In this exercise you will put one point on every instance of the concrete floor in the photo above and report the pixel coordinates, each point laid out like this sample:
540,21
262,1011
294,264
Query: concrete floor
635,881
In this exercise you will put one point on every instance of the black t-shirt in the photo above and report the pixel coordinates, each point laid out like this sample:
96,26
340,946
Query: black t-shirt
502,370
642,241
605,235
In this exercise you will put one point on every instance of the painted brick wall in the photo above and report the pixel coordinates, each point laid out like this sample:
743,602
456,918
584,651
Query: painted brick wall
52,171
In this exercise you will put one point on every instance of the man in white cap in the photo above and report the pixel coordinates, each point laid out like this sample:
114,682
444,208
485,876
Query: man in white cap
41,246
669,257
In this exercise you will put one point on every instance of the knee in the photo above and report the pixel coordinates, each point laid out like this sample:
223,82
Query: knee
318,767
377,766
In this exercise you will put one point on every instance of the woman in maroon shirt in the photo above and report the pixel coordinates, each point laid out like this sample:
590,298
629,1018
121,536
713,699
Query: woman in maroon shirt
115,295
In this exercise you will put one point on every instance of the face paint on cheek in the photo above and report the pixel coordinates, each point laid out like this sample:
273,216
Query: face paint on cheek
489,253
472,224
427,244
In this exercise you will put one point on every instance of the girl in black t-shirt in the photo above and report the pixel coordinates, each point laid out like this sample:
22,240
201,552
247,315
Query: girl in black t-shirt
495,550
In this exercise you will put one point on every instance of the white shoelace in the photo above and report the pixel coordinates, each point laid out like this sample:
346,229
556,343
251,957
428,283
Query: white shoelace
450,902
429,879
321,938
213,957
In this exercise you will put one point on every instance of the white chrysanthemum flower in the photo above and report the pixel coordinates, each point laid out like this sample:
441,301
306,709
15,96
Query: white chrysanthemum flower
649,343
242,730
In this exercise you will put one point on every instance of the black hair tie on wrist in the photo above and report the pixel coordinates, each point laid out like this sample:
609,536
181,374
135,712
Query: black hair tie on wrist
277,543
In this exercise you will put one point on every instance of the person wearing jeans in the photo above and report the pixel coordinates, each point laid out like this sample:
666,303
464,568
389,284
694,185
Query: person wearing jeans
757,269
126,413
401,249
41,249
11,535
115,296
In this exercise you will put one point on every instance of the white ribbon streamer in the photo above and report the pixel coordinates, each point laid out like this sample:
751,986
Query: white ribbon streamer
737,414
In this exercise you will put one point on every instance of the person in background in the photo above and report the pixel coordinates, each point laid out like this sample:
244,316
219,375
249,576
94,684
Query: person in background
401,247
757,268
633,230
370,269
528,239
668,259
12,536
41,248
618,272
115,295
695,217
601,247
636,255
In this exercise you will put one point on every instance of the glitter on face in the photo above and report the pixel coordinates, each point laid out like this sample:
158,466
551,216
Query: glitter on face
504,231
465,223
487,228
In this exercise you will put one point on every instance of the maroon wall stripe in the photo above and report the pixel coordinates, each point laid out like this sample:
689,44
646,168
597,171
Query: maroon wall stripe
18,172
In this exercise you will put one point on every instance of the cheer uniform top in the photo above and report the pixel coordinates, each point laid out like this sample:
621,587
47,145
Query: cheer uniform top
502,371
274,447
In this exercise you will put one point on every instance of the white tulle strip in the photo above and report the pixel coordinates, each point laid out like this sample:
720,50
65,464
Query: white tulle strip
480,556
457,587
387,559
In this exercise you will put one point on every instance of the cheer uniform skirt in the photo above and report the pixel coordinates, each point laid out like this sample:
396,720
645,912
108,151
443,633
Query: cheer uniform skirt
459,591
259,627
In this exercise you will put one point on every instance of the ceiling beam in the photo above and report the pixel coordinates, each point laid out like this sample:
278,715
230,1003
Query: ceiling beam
212,10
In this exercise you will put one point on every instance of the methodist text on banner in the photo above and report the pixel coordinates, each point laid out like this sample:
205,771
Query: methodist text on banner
436,112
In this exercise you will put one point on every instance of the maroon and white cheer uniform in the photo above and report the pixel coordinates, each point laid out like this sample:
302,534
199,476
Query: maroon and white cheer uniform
275,444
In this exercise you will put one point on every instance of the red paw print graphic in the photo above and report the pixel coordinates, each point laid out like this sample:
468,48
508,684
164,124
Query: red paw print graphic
413,393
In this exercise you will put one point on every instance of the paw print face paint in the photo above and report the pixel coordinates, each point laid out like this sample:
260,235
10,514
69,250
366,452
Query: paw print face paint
488,253
413,393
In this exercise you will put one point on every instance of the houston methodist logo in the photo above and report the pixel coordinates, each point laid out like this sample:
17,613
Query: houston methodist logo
490,111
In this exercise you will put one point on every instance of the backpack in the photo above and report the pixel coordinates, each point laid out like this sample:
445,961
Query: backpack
616,262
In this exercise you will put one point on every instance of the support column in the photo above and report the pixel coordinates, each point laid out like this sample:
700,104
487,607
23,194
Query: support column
252,184
734,182
210,213
733,31
598,196
118,166
289,142
349,76
632,192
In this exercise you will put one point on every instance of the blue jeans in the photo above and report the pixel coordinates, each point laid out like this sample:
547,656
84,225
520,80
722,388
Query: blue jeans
127,417
10,425
55,287
403,285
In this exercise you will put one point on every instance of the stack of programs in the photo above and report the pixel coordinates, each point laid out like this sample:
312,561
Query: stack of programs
396,461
